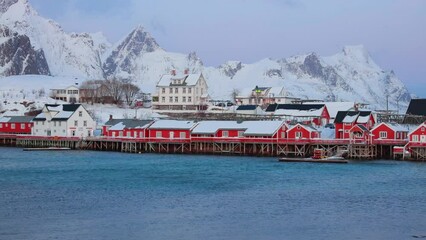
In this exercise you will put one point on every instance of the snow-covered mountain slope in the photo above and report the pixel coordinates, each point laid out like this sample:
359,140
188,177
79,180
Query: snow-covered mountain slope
17,55
140,58
350,75
66,54
22,94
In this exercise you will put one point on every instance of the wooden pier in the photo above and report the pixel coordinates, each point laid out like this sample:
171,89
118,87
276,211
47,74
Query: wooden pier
218,146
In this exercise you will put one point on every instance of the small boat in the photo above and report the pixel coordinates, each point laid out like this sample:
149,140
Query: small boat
47,149
319,157
314,160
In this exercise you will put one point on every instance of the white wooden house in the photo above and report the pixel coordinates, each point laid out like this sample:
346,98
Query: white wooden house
181,92
70,94
263,96
66,120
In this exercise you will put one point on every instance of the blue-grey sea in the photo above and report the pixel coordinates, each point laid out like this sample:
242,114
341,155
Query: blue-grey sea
108,195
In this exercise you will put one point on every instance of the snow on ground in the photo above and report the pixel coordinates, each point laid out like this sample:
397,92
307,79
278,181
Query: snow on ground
21,94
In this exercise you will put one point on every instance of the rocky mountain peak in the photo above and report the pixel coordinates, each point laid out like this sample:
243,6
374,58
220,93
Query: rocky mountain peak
231,68
18,56
16,9
139,41
358,53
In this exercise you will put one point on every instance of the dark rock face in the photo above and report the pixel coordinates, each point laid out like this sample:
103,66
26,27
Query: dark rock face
136,43
313,67
19,57
230,71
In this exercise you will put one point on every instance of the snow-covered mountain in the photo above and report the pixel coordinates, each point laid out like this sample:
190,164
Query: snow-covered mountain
140,58
66,54
17,55
350,75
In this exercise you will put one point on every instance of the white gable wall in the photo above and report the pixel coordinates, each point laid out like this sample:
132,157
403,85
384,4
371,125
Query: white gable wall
66,128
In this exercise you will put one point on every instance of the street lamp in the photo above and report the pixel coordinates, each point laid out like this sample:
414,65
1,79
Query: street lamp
257,91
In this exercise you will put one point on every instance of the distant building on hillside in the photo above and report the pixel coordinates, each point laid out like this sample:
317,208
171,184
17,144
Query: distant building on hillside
70,94
181,92
263,96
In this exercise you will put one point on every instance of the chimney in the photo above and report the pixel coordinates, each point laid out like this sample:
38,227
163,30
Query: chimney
110,117
186,72
173,72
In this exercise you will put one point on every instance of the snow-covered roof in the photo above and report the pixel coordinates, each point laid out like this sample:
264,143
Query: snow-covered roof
120,124
211,127
350,118
417,127
263,128
192,79
334,107
399,127
299,113
62,114
188,79
4,119
275,91
363,119
307,127
172,124
54,108
251,128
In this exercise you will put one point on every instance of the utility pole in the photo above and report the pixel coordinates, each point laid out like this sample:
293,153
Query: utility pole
387,103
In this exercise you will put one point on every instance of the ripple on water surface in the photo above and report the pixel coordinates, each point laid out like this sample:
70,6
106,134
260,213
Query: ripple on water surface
103,195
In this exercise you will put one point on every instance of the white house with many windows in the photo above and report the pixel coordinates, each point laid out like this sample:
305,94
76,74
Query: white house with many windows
181,92
66,120
69,94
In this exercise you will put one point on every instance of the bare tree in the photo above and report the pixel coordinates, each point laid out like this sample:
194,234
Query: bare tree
90,91
114,89
234,93
130,91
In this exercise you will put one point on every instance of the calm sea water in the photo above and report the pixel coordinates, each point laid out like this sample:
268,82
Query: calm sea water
104,195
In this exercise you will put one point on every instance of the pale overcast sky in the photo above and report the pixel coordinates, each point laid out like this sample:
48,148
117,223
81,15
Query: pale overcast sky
393,31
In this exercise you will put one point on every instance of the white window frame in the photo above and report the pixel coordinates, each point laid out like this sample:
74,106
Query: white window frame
383,134
240,133
298,134
225,134
158,134
182,134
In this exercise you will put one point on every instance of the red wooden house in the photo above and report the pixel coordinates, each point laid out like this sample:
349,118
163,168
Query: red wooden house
16,124
345,120
266,129
418,135
302,131
360,134
130,128
230,130
389,131
170,129
218,129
